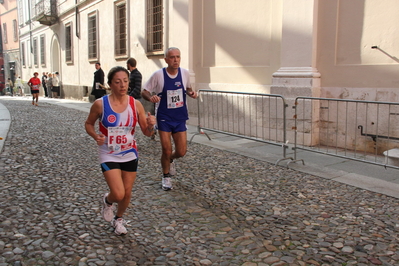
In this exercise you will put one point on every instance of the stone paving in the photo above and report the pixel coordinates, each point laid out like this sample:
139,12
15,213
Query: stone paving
226,209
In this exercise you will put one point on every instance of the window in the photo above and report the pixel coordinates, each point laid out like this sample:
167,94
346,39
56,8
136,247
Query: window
120,29
15,27
154,26
23,54
5,32
42,50
24,12
68,42
29,54
20,12
35,57
92,38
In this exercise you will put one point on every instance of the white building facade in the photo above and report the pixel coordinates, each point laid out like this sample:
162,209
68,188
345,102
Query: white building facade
312,48
263,46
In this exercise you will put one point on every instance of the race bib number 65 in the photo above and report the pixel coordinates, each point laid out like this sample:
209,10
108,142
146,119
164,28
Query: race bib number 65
119,138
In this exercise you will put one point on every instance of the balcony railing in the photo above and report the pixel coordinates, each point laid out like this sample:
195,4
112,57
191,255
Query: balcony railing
45,12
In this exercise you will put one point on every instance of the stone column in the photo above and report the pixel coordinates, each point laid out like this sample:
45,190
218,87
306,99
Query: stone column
298,75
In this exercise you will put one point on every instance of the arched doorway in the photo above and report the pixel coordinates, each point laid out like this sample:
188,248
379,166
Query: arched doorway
56,61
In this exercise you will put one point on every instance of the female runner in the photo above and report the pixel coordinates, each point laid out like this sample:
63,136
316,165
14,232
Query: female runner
118,114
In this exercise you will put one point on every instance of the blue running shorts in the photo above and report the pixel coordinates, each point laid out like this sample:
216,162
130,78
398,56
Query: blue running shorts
173,127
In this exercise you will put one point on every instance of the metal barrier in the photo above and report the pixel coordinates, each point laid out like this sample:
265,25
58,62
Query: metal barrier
254,116
365,131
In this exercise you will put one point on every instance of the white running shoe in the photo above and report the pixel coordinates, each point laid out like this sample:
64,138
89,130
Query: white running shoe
167,183
172,168
119,225
107,211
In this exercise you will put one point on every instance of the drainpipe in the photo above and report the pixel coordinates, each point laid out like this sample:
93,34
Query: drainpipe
30,28
77,27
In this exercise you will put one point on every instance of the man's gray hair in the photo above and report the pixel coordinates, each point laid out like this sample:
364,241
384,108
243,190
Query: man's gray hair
170,49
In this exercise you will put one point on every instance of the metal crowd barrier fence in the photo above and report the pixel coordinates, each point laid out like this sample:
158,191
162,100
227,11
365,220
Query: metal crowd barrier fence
366,131
254,116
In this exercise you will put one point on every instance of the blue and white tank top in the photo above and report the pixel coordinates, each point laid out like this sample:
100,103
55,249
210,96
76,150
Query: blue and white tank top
172,106
119,128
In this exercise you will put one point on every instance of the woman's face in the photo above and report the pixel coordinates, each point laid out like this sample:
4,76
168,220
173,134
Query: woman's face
120,83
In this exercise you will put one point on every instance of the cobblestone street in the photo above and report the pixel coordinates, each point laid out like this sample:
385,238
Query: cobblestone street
225,209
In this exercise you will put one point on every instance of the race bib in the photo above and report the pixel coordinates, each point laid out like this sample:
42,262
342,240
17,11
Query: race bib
175,98
120,138
35,87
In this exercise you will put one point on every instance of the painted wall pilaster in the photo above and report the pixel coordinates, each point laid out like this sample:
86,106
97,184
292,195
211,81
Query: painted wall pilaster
298,74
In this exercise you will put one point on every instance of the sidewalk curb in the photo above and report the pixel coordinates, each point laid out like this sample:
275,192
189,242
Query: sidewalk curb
5,122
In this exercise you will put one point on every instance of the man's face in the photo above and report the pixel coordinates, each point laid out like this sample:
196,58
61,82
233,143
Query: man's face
98,66
173,59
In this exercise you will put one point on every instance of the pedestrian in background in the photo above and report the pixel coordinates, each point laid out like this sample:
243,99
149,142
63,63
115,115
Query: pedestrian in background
167,88
34,84
18,85
118,114
56,85
49,85
134,79
98,82
10,86
44,84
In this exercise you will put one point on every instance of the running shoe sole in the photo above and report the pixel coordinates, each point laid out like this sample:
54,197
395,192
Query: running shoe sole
172,168
167,184
107,212
119,225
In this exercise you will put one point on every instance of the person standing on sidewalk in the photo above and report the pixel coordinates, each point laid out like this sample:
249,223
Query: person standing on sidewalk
10,86
34,84
134,79
56,85
118,114
18,85
49,84
44,80
97,90
167,88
